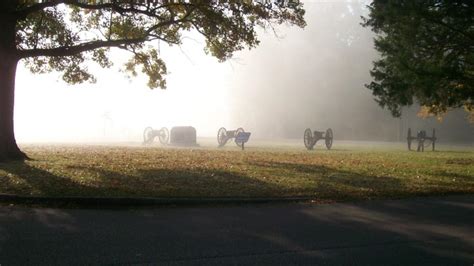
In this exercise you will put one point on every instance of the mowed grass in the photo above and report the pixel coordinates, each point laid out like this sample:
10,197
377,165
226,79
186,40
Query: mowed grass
339,174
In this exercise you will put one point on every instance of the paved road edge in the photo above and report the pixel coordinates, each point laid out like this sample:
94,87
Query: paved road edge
144,201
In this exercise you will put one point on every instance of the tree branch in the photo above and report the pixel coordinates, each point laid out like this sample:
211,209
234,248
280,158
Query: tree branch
430,18
77,49
88,46
23,13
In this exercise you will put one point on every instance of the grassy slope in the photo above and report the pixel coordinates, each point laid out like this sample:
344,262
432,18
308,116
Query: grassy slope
344,174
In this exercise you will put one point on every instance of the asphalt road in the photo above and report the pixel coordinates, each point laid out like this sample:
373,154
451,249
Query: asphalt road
424,231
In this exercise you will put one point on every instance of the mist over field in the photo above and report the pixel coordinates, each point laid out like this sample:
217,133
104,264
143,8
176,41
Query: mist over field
315,78
303,78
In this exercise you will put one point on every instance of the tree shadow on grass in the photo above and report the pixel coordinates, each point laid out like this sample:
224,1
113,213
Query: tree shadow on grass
446,174
25,179
282,179
460,161
324,182
332,183
162,182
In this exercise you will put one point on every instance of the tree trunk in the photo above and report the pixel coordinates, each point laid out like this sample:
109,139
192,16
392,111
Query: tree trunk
8,62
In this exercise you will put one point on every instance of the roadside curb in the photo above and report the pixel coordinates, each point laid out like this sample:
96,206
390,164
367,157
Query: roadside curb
143,201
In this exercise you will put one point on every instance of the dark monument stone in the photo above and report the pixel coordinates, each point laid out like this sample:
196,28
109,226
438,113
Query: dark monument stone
183,136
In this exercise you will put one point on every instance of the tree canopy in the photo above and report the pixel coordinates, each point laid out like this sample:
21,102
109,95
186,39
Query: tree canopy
53,37
64,35
427,54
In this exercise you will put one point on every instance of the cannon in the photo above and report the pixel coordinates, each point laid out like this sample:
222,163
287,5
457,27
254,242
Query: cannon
310,138
421,137
149,134
224,135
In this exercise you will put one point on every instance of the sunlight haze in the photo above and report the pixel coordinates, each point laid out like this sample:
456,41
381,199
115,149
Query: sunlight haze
299,78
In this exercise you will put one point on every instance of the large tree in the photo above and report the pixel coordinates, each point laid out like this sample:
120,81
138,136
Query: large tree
427,54
63,35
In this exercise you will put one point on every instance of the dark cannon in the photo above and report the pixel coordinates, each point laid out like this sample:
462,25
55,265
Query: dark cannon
421,137
310,138
223,136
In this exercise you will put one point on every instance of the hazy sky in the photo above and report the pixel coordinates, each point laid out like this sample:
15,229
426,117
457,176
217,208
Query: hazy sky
312,77
117,108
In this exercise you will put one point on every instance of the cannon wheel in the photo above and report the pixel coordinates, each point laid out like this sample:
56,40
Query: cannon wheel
329,138
237,133
409,139
308,139
434,139
148,135
221,136
164,135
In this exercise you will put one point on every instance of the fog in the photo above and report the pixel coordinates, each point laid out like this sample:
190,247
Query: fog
312,77
315,78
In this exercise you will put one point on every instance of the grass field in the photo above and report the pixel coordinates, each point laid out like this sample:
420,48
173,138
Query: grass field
348,172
